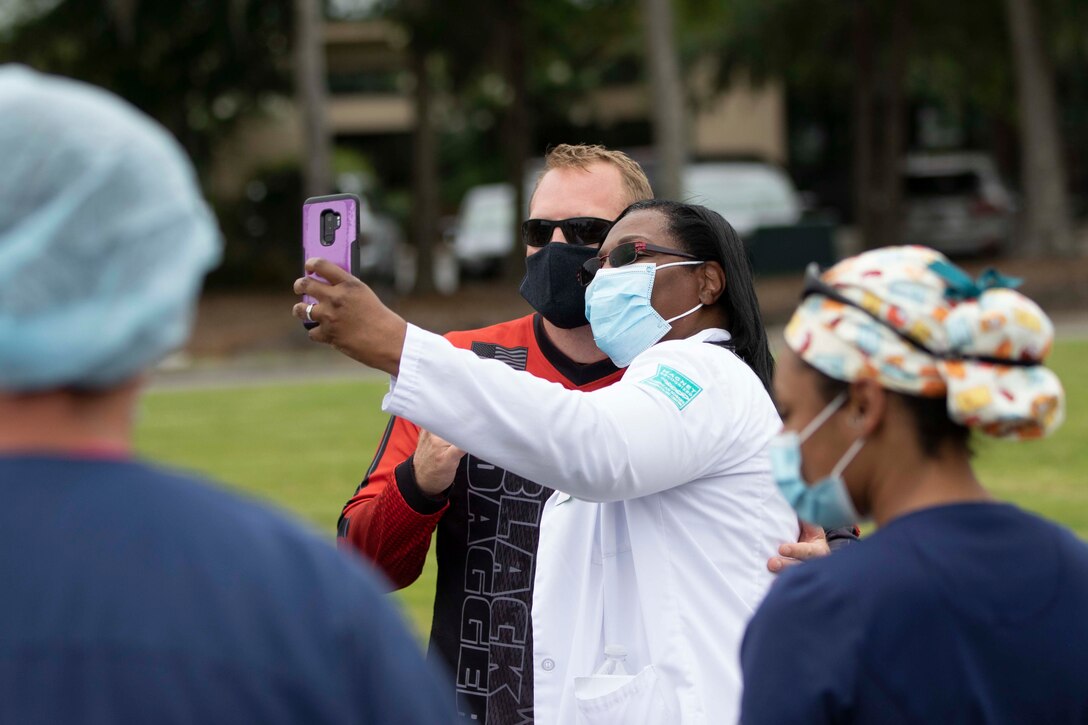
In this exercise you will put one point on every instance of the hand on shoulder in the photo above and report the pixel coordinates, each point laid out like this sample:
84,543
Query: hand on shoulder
811,544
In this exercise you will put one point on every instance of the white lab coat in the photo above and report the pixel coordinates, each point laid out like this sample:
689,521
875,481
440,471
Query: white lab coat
664,515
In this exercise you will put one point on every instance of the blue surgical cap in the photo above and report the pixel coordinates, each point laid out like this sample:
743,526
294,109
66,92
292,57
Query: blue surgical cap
104,236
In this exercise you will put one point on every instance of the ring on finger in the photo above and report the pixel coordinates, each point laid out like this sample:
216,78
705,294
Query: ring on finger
309,309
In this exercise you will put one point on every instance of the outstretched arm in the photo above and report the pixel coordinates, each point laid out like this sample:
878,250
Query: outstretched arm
666,422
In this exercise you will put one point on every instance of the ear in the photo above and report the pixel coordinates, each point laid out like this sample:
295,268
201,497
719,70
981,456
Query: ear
711,282
865,408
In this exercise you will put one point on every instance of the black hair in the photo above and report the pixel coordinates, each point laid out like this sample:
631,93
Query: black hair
706,234
930,415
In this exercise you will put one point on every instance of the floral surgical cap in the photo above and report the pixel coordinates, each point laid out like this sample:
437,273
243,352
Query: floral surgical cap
104,236
917,324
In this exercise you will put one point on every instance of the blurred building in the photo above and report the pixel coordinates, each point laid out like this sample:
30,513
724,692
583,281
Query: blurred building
370,107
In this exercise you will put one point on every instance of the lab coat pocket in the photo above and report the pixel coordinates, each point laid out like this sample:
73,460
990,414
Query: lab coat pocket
623,699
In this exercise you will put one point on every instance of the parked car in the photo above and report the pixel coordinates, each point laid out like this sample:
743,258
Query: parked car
748,194
758,199
761,202
956,203
483,234
381,240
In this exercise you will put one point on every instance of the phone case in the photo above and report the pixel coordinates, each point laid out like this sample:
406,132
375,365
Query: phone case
341,251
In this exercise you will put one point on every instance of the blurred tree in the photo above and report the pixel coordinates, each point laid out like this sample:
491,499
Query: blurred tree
425,206
311,93
425,23
1047,225
881,48
512,42
882,56
668,99
492,61
197,67
508,70
854,52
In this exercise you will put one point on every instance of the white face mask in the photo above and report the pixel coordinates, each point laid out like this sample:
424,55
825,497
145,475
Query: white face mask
618,308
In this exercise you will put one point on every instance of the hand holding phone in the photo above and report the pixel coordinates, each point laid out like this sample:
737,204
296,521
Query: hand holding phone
330,230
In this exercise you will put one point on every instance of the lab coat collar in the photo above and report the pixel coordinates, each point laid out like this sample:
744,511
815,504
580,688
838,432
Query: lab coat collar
711,334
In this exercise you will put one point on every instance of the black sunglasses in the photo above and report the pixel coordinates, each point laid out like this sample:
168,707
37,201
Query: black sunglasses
623,255
580,231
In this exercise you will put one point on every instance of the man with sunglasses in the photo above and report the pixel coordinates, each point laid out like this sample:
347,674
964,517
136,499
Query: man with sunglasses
487,518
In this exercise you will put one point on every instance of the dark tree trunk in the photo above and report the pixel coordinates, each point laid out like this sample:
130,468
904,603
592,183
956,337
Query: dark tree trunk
880,110
424,175
891,139
1047,226
666,97
516,126
864,93
311,94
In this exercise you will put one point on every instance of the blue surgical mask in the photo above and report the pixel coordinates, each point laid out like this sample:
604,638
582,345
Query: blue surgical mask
825,503
618,308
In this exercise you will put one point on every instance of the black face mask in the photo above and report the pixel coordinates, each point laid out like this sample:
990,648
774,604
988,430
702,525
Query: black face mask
551,283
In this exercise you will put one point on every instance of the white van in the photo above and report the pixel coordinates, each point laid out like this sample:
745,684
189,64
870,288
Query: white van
748,194
485,228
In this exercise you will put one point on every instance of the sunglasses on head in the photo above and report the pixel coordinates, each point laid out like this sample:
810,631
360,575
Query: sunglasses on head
623,255
581,230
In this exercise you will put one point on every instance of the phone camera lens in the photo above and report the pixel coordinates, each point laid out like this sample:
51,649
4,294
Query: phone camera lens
330,220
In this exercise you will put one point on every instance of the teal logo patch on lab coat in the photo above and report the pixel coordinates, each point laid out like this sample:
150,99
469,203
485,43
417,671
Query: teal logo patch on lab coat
676,386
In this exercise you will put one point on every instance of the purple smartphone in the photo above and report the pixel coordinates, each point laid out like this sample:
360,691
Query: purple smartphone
330,230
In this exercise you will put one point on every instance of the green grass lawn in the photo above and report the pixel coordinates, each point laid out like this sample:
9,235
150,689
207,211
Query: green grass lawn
1048,476
304,447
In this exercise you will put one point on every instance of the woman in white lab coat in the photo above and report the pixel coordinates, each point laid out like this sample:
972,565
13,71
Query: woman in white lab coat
654,545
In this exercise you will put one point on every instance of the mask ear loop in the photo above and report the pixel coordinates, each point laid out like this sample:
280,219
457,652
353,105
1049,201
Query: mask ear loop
824,414
847,457
680,264
683,314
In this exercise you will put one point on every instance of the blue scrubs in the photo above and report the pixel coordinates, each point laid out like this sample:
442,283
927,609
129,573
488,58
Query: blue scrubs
130,594
968,613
